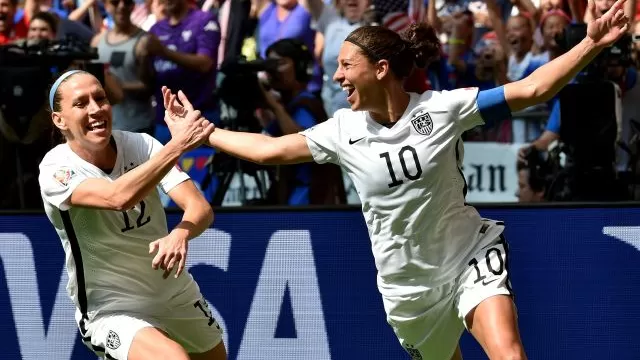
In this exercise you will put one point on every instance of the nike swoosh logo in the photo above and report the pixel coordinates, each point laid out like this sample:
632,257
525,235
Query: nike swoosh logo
485,283
351,142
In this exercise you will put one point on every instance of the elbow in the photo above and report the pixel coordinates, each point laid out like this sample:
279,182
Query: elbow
270,155
121,203
208,215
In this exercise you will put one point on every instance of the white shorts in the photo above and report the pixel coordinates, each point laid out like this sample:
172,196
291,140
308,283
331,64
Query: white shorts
429,324
191,325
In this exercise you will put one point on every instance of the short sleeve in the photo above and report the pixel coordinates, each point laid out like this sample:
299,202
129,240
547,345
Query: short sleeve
208,39
321,140
175,176
463,101
57,181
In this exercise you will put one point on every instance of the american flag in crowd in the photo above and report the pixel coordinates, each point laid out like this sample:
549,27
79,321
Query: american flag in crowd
398,15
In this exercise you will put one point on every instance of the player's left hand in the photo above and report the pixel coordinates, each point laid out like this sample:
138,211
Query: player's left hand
171,251
608,28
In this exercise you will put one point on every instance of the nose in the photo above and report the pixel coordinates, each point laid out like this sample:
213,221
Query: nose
93,107
338,76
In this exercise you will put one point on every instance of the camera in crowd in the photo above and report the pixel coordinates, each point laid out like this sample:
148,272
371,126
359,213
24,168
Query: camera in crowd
240,93
28,69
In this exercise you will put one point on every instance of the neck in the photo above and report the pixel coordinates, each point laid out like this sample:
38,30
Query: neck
394,103
282,11
103,159
178,15
125,28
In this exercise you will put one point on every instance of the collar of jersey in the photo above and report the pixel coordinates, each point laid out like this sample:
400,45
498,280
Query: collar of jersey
381,129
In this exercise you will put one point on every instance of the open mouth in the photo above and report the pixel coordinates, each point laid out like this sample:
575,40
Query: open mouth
350,90
97,126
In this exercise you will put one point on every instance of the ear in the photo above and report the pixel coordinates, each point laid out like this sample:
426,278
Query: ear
59,121
382,69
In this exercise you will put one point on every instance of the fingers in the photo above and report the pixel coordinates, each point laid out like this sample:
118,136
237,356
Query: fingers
166,95
620,18
185,102
157,260
153,247
169,263
181,265
591,9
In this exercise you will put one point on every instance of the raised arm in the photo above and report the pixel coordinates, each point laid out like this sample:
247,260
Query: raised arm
549,79
135,185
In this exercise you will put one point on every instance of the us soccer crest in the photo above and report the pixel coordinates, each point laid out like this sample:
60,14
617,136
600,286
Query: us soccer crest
422,122
113,340
63,175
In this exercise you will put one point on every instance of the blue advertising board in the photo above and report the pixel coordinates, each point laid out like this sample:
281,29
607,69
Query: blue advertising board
301,285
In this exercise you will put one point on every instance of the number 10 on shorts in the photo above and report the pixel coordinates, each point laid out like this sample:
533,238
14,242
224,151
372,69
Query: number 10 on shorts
490,267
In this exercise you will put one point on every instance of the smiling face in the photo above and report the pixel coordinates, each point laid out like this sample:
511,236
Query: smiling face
358,77
40,30
519,34
353,10
84,113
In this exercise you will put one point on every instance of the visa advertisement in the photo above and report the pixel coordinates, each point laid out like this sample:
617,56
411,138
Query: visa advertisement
301,285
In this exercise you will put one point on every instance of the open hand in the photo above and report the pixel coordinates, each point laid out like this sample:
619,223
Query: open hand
608,28
187,126
171,251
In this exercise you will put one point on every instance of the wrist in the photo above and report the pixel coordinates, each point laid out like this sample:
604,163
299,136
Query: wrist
180,234
174,149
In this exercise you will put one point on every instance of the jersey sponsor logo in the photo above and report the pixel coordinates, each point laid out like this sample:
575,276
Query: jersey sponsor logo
113,340
351,141
211,26
186,35
64,175
422,122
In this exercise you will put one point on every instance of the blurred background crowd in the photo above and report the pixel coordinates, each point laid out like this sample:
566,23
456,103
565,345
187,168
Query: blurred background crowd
267,66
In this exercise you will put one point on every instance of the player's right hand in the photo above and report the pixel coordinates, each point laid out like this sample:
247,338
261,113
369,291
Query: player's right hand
187,126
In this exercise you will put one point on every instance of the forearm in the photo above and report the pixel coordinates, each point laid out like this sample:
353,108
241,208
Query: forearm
197,62
135,185
549,79
195,221
247,146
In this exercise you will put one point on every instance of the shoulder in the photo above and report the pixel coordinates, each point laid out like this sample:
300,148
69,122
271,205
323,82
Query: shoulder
56,156
95,40
447,99
203,18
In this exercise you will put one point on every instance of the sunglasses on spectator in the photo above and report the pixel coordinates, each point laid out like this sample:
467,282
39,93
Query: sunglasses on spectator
116,2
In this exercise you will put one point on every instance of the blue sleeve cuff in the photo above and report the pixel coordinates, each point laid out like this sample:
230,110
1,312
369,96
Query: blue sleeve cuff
493,105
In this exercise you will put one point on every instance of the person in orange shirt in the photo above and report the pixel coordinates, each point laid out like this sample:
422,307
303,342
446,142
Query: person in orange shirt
10,30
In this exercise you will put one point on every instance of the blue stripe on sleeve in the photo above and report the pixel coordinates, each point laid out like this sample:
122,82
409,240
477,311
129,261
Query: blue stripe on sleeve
492,105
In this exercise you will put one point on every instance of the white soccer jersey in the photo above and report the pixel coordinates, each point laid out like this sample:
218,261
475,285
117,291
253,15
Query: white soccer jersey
410,184
107,252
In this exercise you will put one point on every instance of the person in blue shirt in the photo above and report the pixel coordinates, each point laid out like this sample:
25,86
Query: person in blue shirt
298,109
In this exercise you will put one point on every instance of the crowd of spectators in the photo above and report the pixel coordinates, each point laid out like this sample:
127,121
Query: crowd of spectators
183,44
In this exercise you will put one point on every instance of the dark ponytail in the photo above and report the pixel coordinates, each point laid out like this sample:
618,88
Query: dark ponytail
423,43
419,45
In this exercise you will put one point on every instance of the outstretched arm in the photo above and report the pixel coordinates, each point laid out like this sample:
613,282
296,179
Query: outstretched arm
549,79
257,148
262,149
